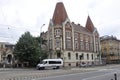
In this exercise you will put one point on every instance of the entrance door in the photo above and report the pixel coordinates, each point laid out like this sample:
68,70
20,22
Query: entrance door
9,58
58,54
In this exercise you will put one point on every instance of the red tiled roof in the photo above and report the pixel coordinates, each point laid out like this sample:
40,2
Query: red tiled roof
60,14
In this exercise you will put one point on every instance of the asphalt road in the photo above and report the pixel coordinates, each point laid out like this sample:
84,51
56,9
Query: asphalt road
29,74
103,73
90,73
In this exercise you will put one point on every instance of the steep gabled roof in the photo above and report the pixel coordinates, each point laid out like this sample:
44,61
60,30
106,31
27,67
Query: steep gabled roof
89,25
80,29
60,14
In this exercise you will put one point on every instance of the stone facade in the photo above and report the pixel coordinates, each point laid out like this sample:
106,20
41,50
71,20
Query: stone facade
72,42
6,53
110,49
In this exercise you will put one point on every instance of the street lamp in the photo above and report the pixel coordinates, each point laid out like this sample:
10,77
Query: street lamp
41,29
41,37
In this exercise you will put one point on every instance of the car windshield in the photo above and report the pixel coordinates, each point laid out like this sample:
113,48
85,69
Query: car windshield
44,62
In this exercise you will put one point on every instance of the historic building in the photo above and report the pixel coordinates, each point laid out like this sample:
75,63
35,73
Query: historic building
110,49
72,42
6,53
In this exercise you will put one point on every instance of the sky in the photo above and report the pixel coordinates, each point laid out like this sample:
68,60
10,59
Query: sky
19,16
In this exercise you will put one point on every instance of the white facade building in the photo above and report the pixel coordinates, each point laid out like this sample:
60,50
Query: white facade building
72,42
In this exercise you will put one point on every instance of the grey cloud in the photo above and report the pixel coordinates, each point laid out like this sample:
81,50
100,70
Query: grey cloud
29,16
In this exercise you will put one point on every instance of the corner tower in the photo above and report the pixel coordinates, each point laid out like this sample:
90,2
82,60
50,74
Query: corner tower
56,31
60,14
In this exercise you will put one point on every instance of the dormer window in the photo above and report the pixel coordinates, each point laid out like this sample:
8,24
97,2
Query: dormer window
68,25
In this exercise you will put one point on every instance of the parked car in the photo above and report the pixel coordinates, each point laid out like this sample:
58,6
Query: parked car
83,64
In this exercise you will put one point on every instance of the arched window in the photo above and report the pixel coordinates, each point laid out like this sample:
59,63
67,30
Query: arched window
9,58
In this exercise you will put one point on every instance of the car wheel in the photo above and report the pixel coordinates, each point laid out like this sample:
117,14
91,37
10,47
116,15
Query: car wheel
57,67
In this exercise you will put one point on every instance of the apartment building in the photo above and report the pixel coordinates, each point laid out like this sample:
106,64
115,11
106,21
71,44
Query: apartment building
110,49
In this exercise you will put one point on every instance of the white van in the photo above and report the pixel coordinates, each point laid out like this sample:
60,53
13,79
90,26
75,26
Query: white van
50,64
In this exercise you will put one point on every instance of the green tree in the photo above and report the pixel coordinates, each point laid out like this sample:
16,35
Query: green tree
28,49
43,52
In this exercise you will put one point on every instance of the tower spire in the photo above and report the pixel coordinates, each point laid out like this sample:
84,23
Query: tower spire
89,24
60,14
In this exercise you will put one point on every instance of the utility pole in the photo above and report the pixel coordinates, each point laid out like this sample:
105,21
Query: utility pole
115,75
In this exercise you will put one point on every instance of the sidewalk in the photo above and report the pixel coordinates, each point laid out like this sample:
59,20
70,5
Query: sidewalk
17,69
66,68
5,69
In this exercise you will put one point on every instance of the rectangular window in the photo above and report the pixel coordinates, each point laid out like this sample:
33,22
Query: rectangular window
50,44
81,57
76,45
69,56
1,46
76,36
68,34
92,56
87,46
57,32
82,45
54,62
81,37
87,56
76,56
58,43
91,46
68,44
